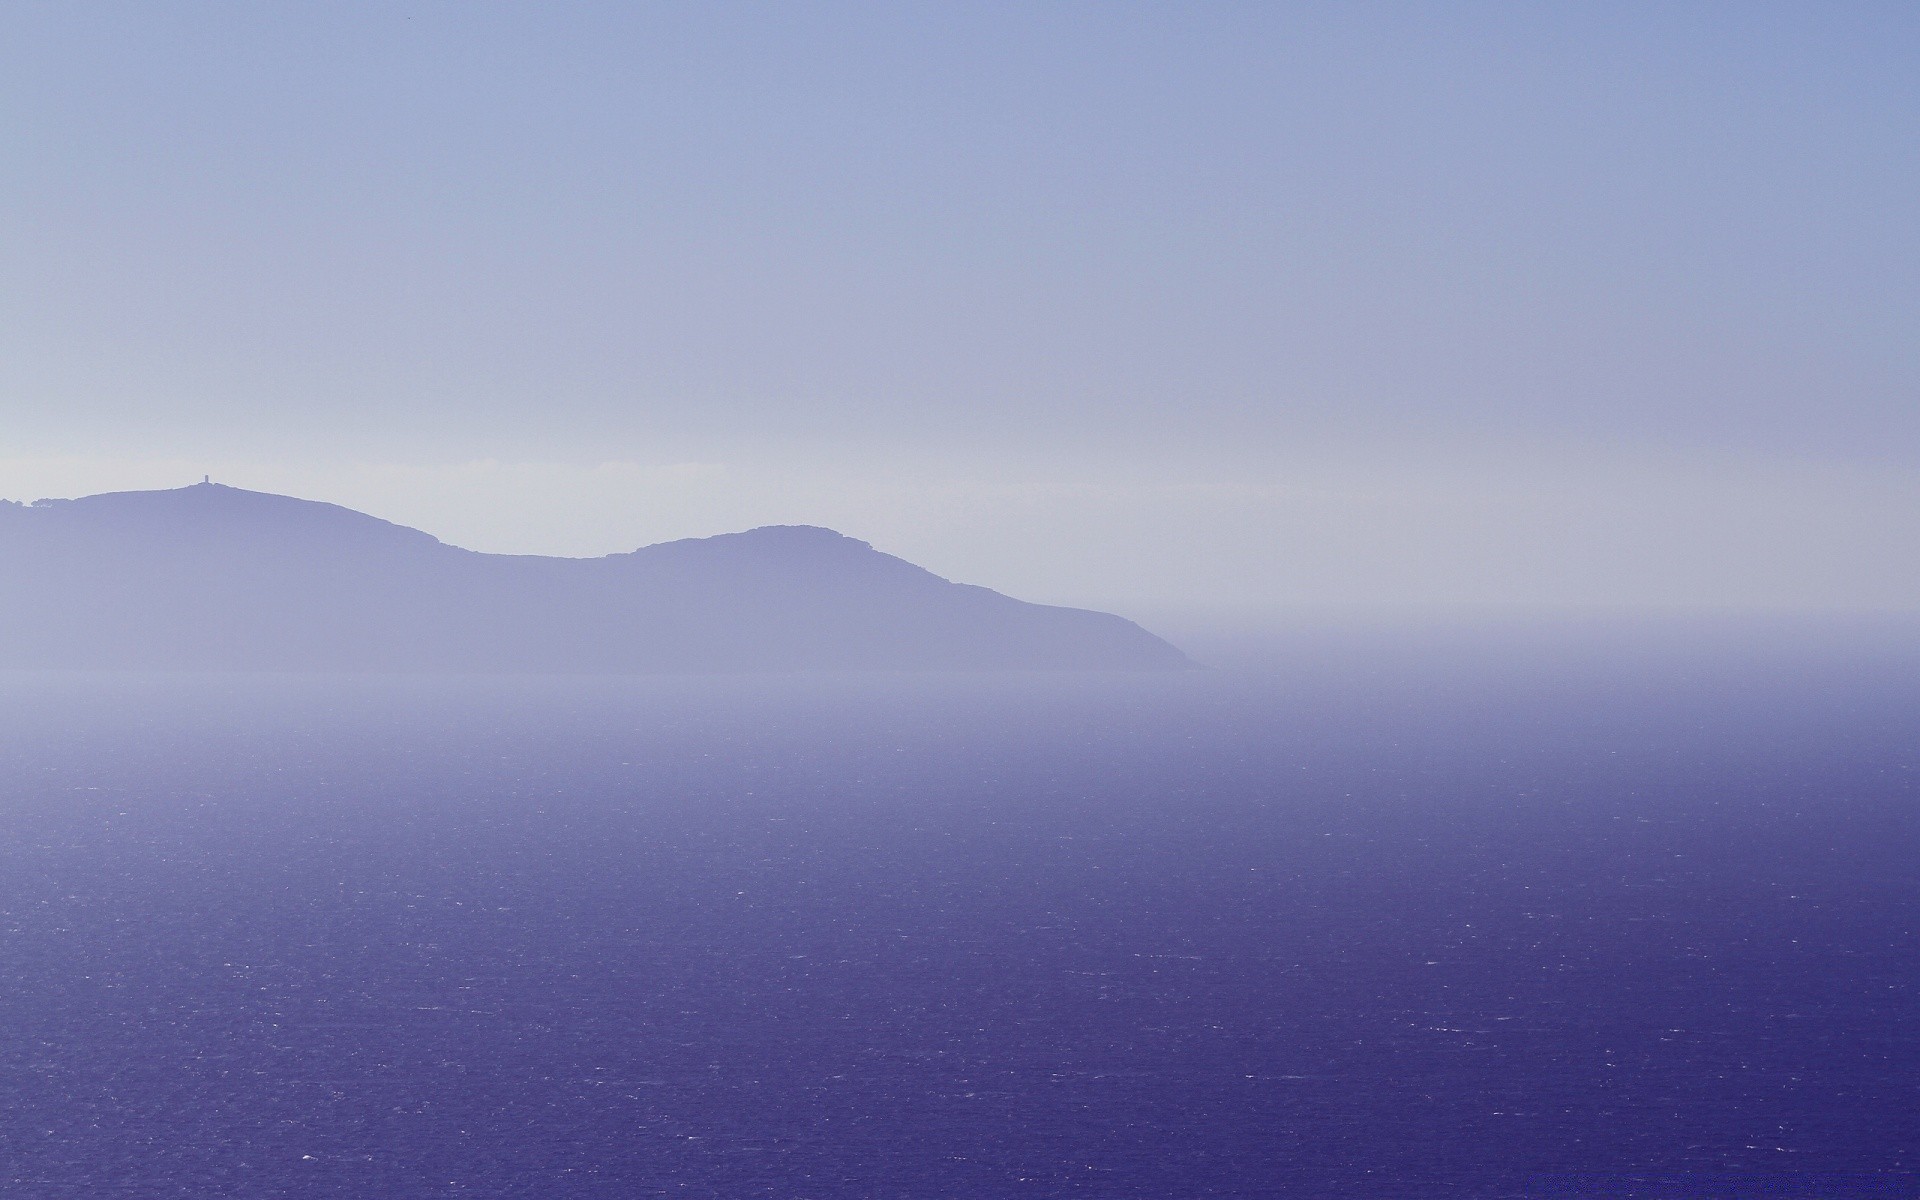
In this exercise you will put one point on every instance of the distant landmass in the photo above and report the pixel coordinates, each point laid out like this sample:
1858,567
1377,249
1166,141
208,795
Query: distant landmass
211,577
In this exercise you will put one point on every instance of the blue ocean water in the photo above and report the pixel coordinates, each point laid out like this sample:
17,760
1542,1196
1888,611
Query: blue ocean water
1470,921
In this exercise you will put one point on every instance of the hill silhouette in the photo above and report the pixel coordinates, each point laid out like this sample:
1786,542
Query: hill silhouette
215,577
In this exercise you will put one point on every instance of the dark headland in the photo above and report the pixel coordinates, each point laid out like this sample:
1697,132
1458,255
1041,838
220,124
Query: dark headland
211,577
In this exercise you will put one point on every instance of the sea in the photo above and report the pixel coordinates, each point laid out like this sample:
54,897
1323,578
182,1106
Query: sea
1560,909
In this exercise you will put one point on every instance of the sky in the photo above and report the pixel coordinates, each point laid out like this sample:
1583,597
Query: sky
1147,306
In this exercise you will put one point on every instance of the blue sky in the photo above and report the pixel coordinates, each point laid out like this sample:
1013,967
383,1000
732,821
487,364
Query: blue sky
1135,304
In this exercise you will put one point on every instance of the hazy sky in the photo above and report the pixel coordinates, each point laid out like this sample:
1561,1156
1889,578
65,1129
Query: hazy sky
1131,304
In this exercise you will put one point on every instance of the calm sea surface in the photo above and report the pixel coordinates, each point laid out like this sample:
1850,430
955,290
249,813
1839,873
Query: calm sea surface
1415,922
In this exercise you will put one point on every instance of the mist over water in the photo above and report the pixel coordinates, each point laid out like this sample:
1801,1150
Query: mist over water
1392,913
1210,308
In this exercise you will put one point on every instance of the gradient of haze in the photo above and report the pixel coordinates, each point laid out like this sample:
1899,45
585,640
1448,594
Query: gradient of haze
1145,306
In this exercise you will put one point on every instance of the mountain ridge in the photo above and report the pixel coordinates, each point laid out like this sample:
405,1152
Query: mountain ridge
215,577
